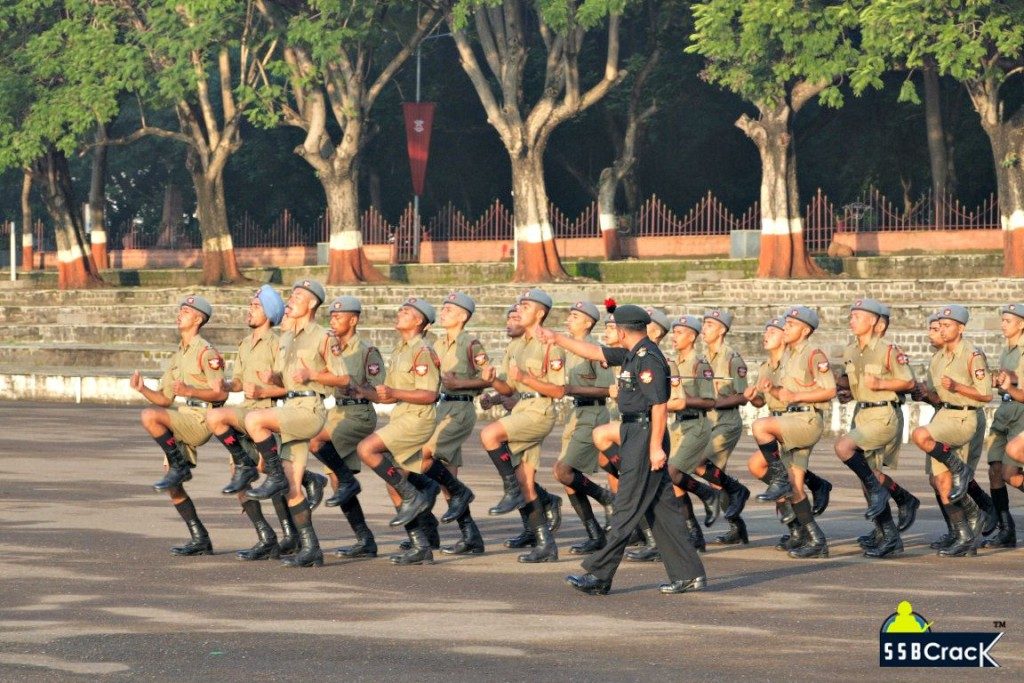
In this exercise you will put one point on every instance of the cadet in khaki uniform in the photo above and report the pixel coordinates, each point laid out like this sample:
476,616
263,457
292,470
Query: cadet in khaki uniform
806,386
586,381
395,451
357,370
195,373
875,371
958,379
463,360
257,353
1007,424
537,371
298,377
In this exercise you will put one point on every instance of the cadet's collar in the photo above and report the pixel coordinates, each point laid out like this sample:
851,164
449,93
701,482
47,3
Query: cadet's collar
872,342
957,350
452,341
799,346
412,341
296,330
352,342
193,342
1020,342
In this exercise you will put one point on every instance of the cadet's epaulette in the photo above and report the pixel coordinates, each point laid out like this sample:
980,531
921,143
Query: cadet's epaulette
216,362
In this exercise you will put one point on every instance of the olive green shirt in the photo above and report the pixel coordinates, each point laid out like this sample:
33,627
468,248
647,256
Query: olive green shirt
885,361
692,377
197,364
965,365
357,359
463,356
727,363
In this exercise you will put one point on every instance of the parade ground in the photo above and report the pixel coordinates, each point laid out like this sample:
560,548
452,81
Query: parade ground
88,590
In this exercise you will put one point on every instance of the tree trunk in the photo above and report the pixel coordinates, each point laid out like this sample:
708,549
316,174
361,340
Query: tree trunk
170,216
75,267
347,263
936,142
1007,140
607,185
219,264
536,255
98,200
783,250
27,258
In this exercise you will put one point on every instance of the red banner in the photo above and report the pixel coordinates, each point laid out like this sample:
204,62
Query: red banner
419,119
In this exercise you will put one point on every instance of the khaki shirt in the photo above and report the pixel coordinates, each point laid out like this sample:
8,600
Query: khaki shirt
728,363
965,365
774,373
197,364
464,357
885,361
303,348
543,361
805,368
692,377
357,359
255,355
413,365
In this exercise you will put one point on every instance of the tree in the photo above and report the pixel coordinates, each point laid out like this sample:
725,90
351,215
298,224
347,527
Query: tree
981,45
509,32
779,55
336,60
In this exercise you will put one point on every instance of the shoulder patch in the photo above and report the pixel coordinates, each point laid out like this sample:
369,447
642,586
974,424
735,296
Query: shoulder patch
556,364
480,358
902,358
215,362
641,352
675,380
979,373
646,376
373,369
421,369
823,366
741,371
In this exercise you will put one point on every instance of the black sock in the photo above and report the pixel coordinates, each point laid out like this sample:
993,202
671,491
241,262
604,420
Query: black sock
524,512
542,494
581,483
301,514
167,443
944,454
812,480
581,504
611,468
769,450
898,493
255,513
942,507
281,508
389,471
353,512
803,511
1001,499
329,456
860,466
954,512
443,476
712,472
885,516
502,459
267,448
187,510
687,504
978,494
231,438
535,514
420,481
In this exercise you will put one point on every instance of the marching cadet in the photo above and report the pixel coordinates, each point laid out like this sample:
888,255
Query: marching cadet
394,451
463,360
806,385
536,370
660,325
257,353
357,370
297,376
644,486
875,372
586,381
958,383
1007,423
195,373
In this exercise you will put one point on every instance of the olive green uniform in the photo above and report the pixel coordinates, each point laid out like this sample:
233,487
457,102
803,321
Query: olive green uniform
533,417
578,449
301,417
199,365
956,422
875,423
689,429
1008,421
465,358
413,365
726,425
804,368
353,418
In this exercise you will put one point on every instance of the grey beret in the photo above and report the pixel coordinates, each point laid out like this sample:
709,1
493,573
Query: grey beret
779,323
1013,309
804,315
870,306
587,308
198,303
659,317
423,306
721,315
539,296
313,287
694,322
462,301
346,304
954,312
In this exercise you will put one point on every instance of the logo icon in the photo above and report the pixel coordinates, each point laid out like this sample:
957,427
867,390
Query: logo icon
906,639
906,620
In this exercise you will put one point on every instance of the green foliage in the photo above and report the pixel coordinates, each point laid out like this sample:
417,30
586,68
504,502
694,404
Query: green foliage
557,14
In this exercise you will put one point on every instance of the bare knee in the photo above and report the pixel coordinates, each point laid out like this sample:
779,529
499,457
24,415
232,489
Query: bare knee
921,438
845,448
563,473
757,465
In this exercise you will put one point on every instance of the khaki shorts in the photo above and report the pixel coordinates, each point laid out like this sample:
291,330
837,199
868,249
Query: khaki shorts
301,419
687,441
726,430
455,422
955,428
527,426
891,451
189,427
801,430
407,432
347,426
1007,423
578,449
798,458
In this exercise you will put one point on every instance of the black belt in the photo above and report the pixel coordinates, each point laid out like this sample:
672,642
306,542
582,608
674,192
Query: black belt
723,410
950,406
302,394
776,413
636,418
196,403
352,402
455,397
684,416
802,409
584,402
529,394
1007,398
876,404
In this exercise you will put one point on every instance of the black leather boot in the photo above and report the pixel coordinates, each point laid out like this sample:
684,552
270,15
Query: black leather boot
738,497
414,502
607,499
794,539
946,539
636,537
816,544
420,552
589,584
309,554
313,484
711,498
595,539
976,518
178,471
458,505
346,491
289,542
275,481
737,533
199,544
650,552
821,495
553,512
964,544
545,550
526,539
877,498
1006,537
471,543
989,516
962,476
873,538
907,512
265,549
778,482
430,527
513,498
696,536
365,545
245,474
891,544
